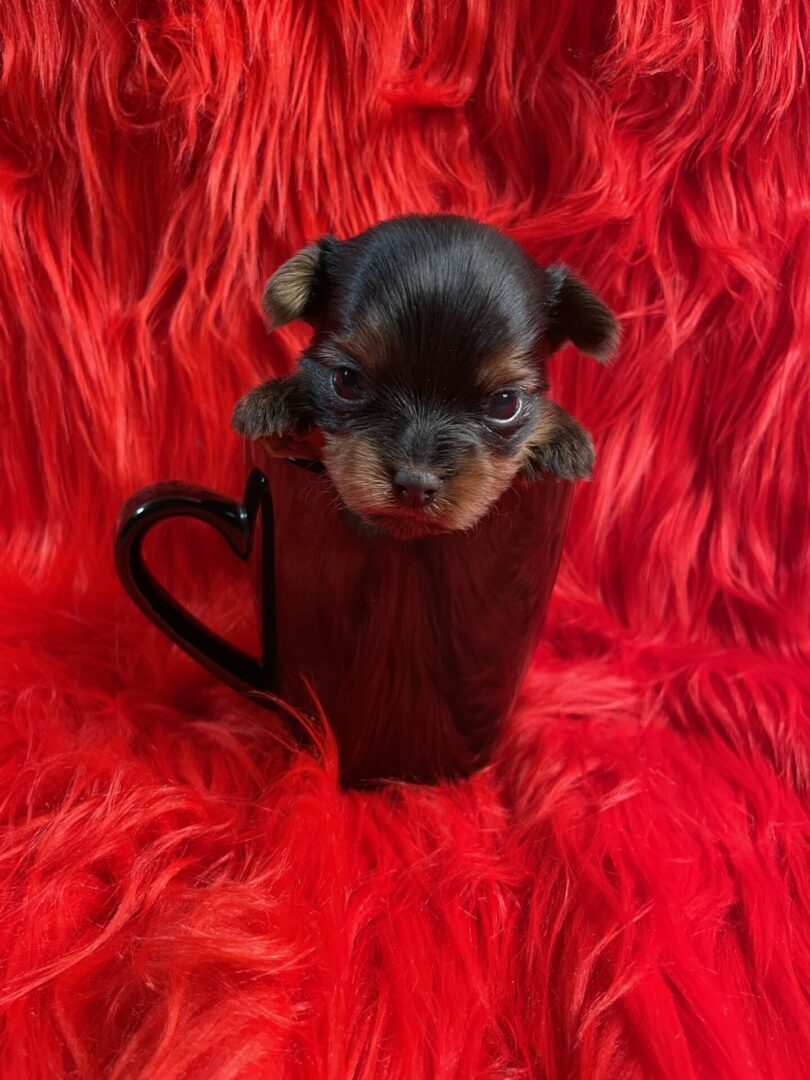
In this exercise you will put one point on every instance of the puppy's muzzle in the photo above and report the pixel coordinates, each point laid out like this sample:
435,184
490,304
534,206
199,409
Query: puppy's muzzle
415,488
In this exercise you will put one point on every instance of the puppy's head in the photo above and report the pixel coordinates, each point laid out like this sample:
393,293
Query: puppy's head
425,380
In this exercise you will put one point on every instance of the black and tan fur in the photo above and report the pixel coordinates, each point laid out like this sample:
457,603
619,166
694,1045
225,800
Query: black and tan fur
430,316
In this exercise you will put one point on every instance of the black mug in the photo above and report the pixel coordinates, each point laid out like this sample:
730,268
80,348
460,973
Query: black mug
415,649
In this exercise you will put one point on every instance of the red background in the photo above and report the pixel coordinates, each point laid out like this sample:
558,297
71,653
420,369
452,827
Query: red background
626,891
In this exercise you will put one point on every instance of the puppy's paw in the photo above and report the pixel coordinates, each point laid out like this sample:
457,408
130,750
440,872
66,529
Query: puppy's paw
279,413
560,447
273,408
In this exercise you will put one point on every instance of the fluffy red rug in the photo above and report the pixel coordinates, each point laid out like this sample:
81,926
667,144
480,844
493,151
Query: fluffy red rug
625,892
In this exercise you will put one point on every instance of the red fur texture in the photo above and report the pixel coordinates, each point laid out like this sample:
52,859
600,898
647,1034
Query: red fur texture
625,892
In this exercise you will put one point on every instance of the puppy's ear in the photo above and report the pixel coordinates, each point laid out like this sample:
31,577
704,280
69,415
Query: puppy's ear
575,313
298,289
560,446
280,415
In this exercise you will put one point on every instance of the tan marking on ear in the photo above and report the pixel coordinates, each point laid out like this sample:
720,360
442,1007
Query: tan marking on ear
288,291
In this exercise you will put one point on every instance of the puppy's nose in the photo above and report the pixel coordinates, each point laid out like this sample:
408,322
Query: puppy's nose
415,487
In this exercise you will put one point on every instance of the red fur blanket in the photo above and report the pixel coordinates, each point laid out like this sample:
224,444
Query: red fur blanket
626,891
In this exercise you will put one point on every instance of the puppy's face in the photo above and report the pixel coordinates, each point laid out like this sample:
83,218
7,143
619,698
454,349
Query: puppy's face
425,379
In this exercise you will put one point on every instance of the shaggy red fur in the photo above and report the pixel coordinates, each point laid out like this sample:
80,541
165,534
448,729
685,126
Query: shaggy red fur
625,892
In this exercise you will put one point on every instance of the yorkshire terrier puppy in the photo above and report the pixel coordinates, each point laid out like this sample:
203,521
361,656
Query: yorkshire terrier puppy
424,388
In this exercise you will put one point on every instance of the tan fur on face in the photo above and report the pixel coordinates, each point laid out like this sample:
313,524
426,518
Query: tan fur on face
368,342
509,367
364,484
358,473
478,484
546,424
483,476
287,293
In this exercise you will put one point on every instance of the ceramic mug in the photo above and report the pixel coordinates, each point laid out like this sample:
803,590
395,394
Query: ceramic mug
416,649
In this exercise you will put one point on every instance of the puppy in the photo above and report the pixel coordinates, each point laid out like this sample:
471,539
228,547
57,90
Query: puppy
424,388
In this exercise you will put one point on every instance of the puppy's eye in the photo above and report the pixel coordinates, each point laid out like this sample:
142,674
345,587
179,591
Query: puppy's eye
347,384
504,406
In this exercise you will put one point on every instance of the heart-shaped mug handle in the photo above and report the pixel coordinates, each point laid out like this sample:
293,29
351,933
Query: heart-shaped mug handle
236,522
